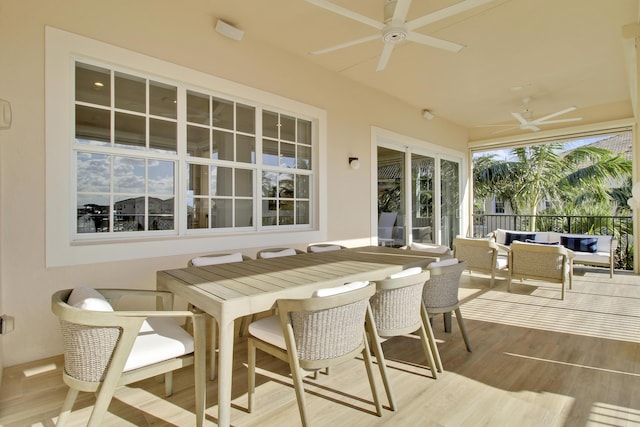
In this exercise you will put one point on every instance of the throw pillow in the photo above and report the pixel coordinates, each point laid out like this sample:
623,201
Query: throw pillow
510,237
580,244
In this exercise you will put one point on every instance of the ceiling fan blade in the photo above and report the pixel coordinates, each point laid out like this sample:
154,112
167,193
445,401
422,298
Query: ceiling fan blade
386,54
550,122
347,13
401,11
347,44
521,119
434,42
558,113
445,13
530,127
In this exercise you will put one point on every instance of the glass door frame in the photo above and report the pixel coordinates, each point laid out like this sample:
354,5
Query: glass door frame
407,145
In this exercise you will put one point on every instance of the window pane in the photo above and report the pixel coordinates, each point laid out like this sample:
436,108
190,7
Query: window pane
244,183
93,126
163,100
197,213
198,181
128,175
221,181
93,84
246,120
130,93
130,131
270,153
93,213
129,213
287,128
269,212
270,124
304,157
244,213
285,214
163,136
287,155
302,212
197,141
304,132
221,213
93,173
245,149
269,184
161,213
222,147
161,178
197,108
222,113
302,186
285,185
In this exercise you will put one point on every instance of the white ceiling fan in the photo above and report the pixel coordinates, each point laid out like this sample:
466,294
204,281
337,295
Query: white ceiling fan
527,122
395,29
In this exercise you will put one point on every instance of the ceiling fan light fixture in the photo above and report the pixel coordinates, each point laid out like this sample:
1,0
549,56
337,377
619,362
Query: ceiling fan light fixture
394,35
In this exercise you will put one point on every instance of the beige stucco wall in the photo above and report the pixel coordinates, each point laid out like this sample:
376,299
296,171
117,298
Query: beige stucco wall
182,33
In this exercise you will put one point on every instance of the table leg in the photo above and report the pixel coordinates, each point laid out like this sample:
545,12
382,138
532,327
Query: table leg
225,368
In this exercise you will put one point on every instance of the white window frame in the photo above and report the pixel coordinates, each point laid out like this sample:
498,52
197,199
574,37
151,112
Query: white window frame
62,49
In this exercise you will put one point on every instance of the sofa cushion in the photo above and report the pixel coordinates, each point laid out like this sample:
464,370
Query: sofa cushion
539,242
510,237
580,244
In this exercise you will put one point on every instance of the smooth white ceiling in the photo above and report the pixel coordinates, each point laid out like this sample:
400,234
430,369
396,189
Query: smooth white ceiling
559,52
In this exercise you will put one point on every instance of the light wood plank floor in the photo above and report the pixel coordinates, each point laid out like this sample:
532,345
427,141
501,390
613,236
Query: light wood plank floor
536,361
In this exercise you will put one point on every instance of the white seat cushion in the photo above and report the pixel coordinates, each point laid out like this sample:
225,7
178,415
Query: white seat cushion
324,248
406,273
160,338
88,299
268,330
443,263
211,260
436,249
327,292
284,252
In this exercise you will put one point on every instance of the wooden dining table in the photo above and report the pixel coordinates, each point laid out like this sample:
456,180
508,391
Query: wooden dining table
231,291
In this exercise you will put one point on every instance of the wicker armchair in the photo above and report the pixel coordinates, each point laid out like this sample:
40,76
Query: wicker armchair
440,293
397,310
105,349
550,263
217,259
324,247
277,252
315,333
481,255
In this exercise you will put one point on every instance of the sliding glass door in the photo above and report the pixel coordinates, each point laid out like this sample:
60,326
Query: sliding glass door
426,186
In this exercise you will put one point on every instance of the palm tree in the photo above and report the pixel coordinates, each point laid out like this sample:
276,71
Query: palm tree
541,173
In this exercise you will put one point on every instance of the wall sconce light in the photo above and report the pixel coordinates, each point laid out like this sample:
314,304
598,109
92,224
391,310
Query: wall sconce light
427,114
634,202
354,163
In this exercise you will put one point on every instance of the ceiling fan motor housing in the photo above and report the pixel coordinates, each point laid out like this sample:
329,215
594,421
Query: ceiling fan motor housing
394,34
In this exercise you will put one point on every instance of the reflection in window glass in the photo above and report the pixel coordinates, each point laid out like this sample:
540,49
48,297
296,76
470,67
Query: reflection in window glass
198,179
130,131
302,186
244,213
246,119
287,155
270,153
285,212
244,183
302,212
163,100
269,184
270,124
285,185
128,175
197,108
129,213
197,213
163,136
304,157
221,213
269,212
93,84
130,93
304,132
94,173
245,149
222,147
161,179
222,113
93,213
197,141
93,126
221,181
287,128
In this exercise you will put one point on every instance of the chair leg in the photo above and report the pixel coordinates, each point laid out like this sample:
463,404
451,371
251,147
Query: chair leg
447,321
67,406
366,353
427,351
251,374
105,394
296,373
432,338
463,330
382,364
168,383
213,367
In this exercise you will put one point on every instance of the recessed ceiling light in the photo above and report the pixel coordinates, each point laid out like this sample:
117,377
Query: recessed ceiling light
98,84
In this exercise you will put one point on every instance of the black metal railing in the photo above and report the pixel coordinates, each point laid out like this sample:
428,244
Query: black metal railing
621,227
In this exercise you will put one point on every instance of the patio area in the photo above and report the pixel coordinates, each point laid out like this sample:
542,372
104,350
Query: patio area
536,361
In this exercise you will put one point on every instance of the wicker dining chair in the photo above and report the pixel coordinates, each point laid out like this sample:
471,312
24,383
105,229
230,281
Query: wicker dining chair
277,252
315,333
440,294
550,263
105,348
217,259
397,310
